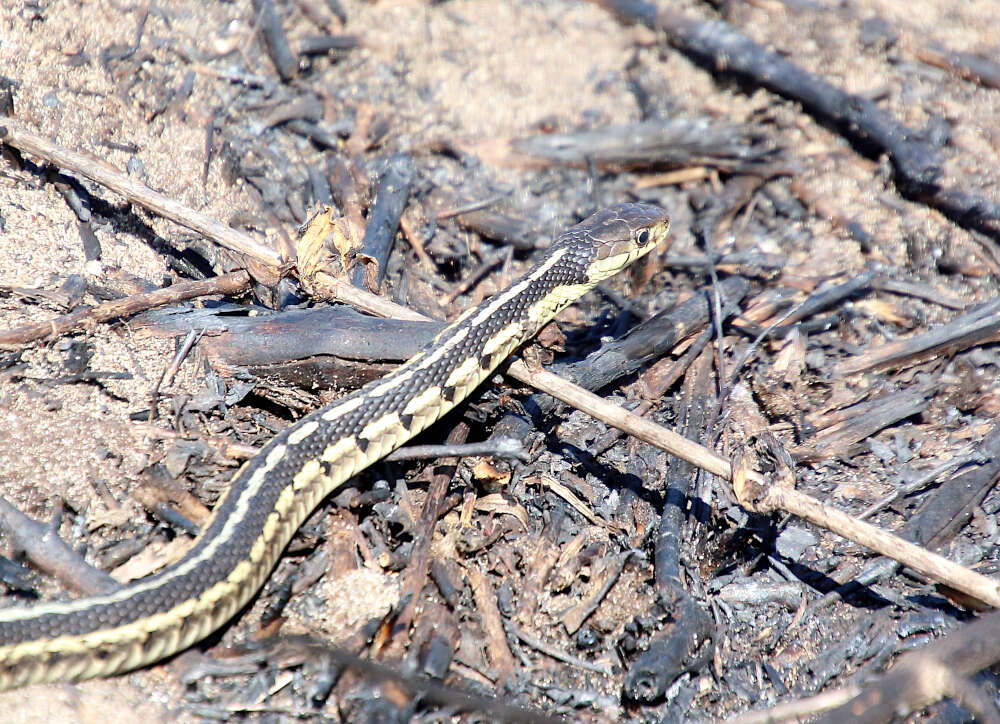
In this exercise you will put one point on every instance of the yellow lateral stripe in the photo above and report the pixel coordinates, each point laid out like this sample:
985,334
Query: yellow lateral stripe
375,429
462,372
302,432
501,299
343,408
423,401
290,477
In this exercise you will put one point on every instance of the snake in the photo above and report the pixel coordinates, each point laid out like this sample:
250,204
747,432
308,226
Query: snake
274,492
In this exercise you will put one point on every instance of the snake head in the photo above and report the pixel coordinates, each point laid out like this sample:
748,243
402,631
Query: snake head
608,241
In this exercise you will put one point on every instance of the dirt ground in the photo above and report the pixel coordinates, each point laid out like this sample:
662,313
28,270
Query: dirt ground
478,72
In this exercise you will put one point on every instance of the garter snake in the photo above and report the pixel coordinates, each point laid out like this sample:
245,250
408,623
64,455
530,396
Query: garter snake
273,493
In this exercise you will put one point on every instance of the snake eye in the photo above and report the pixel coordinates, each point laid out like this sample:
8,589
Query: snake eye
642,238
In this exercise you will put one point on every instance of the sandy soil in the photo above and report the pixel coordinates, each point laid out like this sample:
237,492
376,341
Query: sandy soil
472,69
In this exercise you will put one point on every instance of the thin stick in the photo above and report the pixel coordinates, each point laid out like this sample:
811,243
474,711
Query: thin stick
43,547
13,134
757,494
503,447
226,284
919,559
335,289
498,650
553,651
621,418
798,708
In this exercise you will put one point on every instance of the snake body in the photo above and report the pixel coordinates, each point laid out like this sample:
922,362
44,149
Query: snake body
274,492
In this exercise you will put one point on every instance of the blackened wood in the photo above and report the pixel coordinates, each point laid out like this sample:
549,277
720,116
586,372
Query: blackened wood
312,349
322,44
969,66
670,654
920,290
435,640
500,227
916,681
649,340
675,142
539,560
275,41
980,325
43,547
326,136
75,194
415,577
447,576
504,447
120,52
306,108
947,509
390,200
293,334
860,421
226,284
715,211
644,343
91,244
722,47
116,283
820,300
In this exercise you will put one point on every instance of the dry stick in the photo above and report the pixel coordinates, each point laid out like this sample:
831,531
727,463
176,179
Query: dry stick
553,651
368,302
501,447
43,547
226,284
13,134
497,647
275,40
977,326
919,559
773,498
924,676
415,577
383,221
797,709
923,561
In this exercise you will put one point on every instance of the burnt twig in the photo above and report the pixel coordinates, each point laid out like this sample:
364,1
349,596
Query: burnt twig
226,284
43,547
724,48
390,200
980,325
499,227
922,677
505,447
275,41
668,655
676,142
416,572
